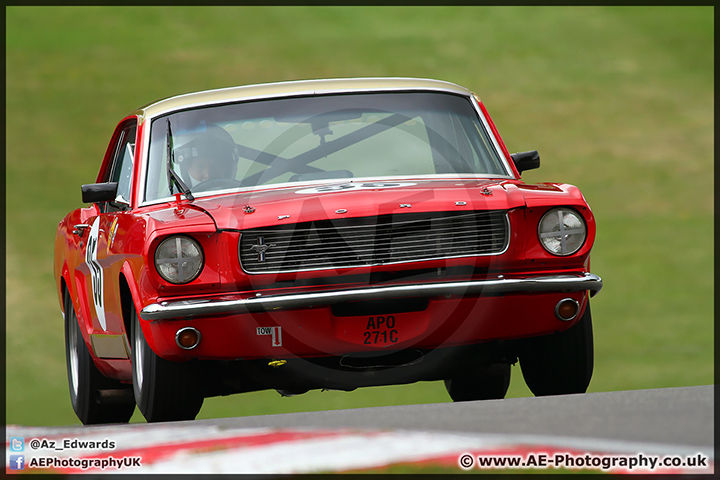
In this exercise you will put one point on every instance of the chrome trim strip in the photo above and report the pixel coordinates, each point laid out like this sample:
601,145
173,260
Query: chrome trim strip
474,99
261,303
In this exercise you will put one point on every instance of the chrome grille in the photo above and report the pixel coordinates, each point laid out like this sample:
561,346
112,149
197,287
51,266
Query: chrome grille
380,240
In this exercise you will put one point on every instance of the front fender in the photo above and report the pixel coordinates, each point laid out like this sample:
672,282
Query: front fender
135,294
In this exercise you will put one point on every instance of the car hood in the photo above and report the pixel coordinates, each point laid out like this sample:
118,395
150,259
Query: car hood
304,203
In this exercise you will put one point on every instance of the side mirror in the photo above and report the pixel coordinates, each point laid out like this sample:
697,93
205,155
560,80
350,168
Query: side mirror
526,160
99,192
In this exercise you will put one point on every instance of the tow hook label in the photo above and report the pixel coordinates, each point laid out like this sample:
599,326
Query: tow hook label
276,333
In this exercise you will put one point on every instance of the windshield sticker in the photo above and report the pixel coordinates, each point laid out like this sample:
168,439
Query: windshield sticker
354,186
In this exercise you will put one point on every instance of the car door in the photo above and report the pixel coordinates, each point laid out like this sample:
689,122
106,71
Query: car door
103,261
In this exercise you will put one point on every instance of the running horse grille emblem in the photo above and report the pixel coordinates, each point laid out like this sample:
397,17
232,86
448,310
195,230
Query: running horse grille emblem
261,247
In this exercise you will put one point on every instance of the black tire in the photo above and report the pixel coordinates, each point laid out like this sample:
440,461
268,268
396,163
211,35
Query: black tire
164,390
87,384
489,383
561,363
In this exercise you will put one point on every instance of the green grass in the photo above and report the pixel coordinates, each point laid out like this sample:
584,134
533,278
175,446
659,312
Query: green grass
618,101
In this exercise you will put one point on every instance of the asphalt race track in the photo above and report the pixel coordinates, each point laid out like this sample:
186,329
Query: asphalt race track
676,416
662,422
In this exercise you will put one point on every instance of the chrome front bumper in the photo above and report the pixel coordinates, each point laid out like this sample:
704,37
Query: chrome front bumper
183,309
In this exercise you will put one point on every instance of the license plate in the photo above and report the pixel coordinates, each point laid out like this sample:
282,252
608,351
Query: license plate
380,330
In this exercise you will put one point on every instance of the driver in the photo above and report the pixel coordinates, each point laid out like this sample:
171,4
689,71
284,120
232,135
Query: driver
209,156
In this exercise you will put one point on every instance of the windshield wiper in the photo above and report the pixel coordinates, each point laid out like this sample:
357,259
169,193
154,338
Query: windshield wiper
172,176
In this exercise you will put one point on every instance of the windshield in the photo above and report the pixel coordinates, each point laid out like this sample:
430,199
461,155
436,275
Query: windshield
361,135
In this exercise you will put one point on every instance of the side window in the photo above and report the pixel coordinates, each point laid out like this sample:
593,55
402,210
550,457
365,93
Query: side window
122,166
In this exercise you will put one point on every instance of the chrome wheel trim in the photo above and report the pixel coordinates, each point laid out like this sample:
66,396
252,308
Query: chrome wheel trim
138,357
73,354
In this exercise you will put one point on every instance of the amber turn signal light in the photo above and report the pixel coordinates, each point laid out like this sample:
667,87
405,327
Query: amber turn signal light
187,338
567,309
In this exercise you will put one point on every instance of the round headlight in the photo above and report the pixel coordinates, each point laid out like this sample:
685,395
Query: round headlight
562,231
179,259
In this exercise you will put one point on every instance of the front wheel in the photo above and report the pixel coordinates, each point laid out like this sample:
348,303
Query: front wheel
488,383
95,398
164,390
560,363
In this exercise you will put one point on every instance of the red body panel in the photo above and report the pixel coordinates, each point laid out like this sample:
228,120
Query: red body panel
316,332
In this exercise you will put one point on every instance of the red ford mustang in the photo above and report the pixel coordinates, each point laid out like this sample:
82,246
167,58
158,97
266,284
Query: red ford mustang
326,234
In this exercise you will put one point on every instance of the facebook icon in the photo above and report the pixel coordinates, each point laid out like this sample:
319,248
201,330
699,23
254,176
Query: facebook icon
17,462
